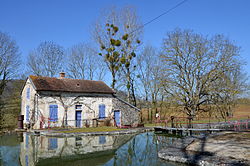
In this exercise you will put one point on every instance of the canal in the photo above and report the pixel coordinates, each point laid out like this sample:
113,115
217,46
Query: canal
121,150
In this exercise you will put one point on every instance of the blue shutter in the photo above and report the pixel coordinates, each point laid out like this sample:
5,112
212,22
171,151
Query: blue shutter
53,113
100,107
101,111
52,143
26,160
117,118
27,141
27,113
28,93
102,139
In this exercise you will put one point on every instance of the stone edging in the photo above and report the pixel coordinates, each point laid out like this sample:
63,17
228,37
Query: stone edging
178,153
194,158
121,132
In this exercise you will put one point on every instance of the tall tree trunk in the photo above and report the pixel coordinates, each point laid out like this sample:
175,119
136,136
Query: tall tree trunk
113,80
128,84
133,94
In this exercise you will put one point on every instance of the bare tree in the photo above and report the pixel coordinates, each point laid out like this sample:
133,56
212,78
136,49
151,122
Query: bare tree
96,67
105,33
9,65
47,59
195,68
131,41
78,61
226,91
84,63
9,60
149,69
115,33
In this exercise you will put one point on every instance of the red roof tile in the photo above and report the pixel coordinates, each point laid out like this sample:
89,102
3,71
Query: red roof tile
70,85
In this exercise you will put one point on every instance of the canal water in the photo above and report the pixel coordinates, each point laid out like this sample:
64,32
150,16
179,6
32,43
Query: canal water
123,150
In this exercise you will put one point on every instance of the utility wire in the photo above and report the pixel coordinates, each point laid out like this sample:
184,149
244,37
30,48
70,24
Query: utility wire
169,10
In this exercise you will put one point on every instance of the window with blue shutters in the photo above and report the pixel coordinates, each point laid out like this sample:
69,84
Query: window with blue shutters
52,143
102,139
53,113
28,93
101,111
27,141
26,160
27,113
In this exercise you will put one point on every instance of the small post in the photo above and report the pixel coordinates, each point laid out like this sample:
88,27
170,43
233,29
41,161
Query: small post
166,123
179,132
20,121
172,121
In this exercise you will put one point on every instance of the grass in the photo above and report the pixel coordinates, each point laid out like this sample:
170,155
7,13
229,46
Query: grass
200,121
91,129
241,112
153,124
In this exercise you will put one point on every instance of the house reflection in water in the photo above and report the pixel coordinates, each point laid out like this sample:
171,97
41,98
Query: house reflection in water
36,148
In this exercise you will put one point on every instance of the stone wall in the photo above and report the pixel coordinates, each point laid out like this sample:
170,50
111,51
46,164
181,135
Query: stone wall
129,114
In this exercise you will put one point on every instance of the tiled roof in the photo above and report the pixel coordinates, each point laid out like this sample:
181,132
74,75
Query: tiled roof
69,85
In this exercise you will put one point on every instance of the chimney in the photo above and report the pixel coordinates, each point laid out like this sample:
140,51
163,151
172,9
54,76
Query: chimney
62,75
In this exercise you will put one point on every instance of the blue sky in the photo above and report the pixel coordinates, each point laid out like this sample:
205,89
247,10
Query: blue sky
68,22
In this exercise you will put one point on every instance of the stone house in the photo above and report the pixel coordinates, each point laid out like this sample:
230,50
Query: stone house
55,102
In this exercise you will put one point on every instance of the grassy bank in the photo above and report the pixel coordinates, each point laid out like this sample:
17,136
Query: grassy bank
241,111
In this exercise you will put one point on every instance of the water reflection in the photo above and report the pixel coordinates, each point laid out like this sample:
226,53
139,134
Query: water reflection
86,150
37,148
141,150
10,149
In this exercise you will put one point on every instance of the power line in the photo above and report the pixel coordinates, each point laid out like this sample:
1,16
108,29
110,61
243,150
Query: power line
169,10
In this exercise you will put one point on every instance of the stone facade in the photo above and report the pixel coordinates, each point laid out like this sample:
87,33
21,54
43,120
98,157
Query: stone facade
129,114
36,108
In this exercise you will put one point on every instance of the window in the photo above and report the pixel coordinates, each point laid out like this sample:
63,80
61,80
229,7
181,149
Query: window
28,93
101,111
102,139
27,113
53,113
78,141
78,107
52,143
26,160
27,141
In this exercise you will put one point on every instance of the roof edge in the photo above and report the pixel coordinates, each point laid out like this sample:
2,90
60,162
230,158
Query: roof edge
28,78
127,103
110,91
